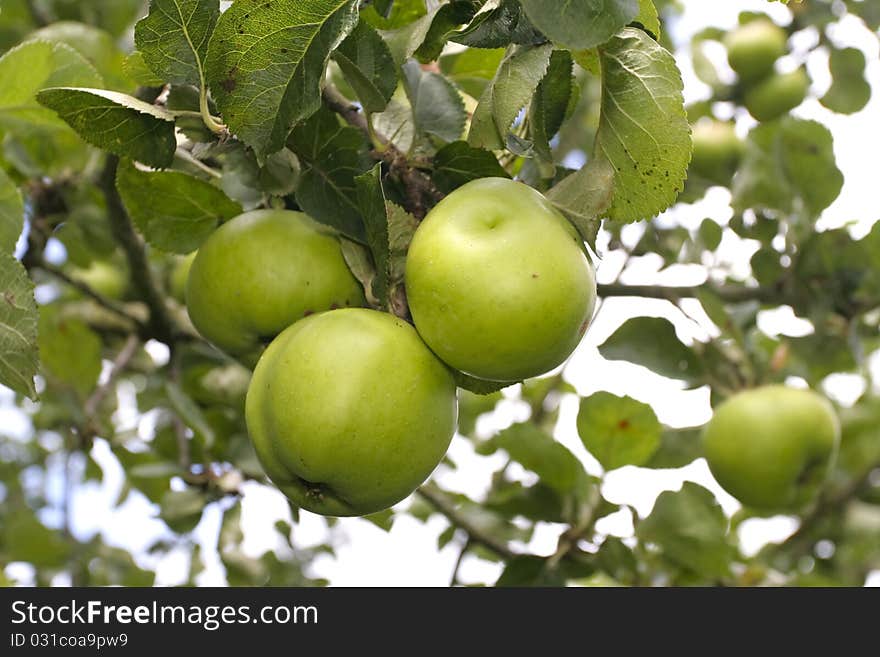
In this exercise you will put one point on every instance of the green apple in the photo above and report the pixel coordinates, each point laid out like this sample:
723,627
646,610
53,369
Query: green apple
259,273
717,150
498,281
105,278
778,94
772,447
349,411
179,275
753,48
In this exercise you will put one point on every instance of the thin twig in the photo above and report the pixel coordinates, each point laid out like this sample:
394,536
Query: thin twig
112,305
123,358
461,554
439,500
675,292
160,323
420,190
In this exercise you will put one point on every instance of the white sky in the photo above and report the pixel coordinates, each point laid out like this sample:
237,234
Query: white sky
408,555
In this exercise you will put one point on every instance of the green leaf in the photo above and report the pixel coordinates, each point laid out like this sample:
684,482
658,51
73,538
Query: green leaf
472,69
549,104
332,156
508,92
27,539
849,92
437,107
384,520
97,46
458,163
652,342
648,17
499,24
585,195
789,166
618,431
182,510
173,38
116,122
189,212
390,229
479,386
18,328
11,213
537,451
529,571
678,448
690,529
580,24
137,71
446,23
69,351
406,36
643,129
36,65
190,413
266,63
368,66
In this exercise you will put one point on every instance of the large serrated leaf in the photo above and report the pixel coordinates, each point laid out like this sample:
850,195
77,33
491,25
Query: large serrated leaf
11,213
190,209
266,62
549,104
437,107
508,92
173,38
457,163
36,65
643,130
580,24
18,327
332,156
368,67
116,122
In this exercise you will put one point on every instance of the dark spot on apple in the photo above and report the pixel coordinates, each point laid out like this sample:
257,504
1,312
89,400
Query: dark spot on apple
623,424
535,276
308,312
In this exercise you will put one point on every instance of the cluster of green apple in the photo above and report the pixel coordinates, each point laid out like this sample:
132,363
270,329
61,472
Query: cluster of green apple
753,49
752,52
350,409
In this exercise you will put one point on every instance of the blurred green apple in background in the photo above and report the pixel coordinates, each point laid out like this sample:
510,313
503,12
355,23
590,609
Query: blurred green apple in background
772,447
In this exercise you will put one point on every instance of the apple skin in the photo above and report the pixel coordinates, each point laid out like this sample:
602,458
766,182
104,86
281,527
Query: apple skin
105,278
777,95
498,281
753,48
349,411
717,150
179,275
772,447
259,273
